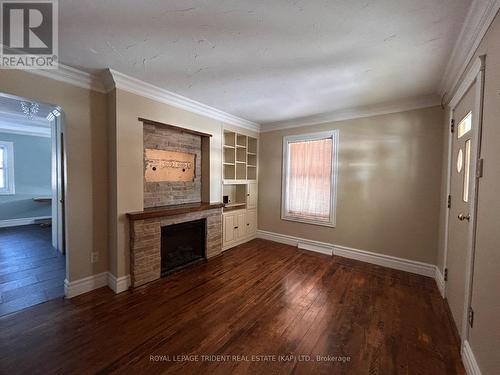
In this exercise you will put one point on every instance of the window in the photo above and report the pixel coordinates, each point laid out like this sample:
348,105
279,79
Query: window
6,168
309,178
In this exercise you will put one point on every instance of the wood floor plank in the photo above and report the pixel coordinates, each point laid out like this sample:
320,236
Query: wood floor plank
31,270
283,306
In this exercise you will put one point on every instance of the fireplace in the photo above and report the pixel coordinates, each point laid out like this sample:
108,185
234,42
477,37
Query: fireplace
181,245
178,224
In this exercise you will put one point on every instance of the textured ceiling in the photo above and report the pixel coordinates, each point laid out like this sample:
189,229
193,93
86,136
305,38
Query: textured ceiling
268,61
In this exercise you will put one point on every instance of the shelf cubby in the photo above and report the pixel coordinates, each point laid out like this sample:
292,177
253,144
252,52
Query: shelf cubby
252,145
236,196
241,171
251,172
229,139
241,154
229,171
229,155
241,140
252,160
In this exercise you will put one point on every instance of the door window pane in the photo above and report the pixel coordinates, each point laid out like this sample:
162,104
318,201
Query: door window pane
465,125
460,161
467,171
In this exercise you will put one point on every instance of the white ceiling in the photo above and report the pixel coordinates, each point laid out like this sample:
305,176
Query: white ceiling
268,61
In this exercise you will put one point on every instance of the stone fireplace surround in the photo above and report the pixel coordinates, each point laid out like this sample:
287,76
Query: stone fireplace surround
145,236
145,226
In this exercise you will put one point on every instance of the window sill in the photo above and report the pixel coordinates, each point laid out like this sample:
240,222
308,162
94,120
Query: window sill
307,221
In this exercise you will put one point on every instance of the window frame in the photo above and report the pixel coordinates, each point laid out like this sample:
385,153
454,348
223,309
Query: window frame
9,168
334,135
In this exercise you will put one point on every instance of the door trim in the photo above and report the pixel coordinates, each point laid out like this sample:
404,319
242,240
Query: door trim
56,126
475,75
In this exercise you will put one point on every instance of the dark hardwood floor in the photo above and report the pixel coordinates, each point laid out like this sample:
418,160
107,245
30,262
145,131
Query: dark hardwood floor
259,299
31,270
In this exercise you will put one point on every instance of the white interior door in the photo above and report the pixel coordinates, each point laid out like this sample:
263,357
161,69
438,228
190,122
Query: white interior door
460,213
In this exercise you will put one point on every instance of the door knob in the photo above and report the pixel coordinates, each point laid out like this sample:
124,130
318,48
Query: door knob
462,217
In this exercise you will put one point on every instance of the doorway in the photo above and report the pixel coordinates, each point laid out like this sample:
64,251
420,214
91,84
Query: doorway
464,164
32,241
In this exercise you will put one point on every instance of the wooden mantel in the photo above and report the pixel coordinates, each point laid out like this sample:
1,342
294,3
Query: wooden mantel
177,209
178,128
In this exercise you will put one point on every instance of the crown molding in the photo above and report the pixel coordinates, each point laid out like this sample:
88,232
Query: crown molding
353,113
111,79
479,18
114,79
72,76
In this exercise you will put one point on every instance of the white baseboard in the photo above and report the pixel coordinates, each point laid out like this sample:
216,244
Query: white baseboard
469,360
276,237
396,263
401,264
316,247
118,284
88,284
439,281
22,221
301,243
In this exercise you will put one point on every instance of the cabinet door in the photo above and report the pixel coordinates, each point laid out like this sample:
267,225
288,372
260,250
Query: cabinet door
251,226
241,225
228,229
252,195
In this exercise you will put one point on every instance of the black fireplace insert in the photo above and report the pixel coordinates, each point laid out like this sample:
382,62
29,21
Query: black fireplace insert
182,245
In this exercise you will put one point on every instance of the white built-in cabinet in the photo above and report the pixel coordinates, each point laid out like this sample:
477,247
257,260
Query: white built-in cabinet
239,226
239,169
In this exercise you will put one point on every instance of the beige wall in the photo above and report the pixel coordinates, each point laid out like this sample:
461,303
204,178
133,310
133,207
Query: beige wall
85,144
484,337
127,177
388,184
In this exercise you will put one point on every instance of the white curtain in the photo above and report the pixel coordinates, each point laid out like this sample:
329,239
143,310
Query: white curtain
309,179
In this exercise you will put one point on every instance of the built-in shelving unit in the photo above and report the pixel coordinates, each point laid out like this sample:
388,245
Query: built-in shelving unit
240,157
240,164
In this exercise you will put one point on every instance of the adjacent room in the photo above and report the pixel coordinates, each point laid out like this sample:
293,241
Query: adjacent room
32,264
243,187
